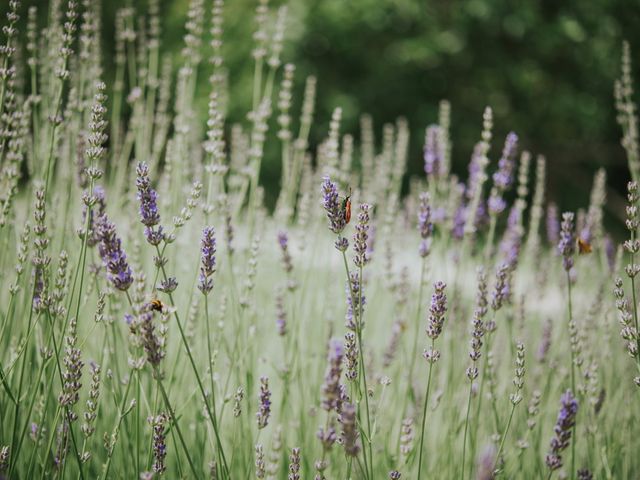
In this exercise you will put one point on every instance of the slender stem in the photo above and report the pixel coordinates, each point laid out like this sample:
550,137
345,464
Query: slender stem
466,427
424,414
504,436
573,382
197,375
174,420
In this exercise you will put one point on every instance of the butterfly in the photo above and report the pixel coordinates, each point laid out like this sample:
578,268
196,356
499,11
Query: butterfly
584,247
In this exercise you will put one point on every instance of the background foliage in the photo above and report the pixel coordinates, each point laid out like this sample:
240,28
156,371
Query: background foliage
545,67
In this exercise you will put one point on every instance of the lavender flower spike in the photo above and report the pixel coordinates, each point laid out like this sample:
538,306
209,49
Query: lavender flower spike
208,260
425,227
331,203
113,257
432,151
567,244
361,236
331,386
264,410
148,198
564,425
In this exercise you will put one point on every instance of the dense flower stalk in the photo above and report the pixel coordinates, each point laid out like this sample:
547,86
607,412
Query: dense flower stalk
331,203
88,427
331,385
294,464
567,243
208,260
159,442
433,151
425,227
148,198
361,236
349,436
113,257
437,310
503,177
73,373
351,356
356,301
259,462
563,428
264,409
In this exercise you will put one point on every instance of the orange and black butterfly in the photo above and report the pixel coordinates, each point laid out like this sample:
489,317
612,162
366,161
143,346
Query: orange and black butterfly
346,207
584,247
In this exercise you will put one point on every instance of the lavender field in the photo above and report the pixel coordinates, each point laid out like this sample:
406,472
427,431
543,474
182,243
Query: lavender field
159,319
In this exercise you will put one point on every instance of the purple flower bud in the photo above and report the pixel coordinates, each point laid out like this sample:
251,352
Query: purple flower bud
437,309
567,243
433,152
425,227
208,260
331,386
360,237
331,202
349,436
264,410
563,429
112,254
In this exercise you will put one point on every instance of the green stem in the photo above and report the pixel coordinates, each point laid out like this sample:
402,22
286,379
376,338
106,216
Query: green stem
424,414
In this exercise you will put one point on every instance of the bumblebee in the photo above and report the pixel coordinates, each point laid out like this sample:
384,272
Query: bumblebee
156,305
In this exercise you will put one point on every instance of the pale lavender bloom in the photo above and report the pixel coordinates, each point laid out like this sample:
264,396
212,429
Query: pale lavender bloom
361,236
208,260
331,202
264,410
433,151
394,475
354,305
281,314
331,386
349,436
351,356
98,209
283,241
553,224
567,243
159,442
113,257
503,178
150,341
327,437
168,285
425,227
501,288
610,252
484,463
437,309
294,464
584,474
563,429
512,240
148,198
474,170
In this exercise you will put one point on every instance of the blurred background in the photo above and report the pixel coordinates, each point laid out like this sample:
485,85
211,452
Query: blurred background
546,67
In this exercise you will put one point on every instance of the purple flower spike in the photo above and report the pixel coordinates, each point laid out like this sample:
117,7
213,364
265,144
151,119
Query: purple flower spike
331,386
432,151
564,425
567,243
113,256
148,198
264,410
425,227
504,176
208,262
331,203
